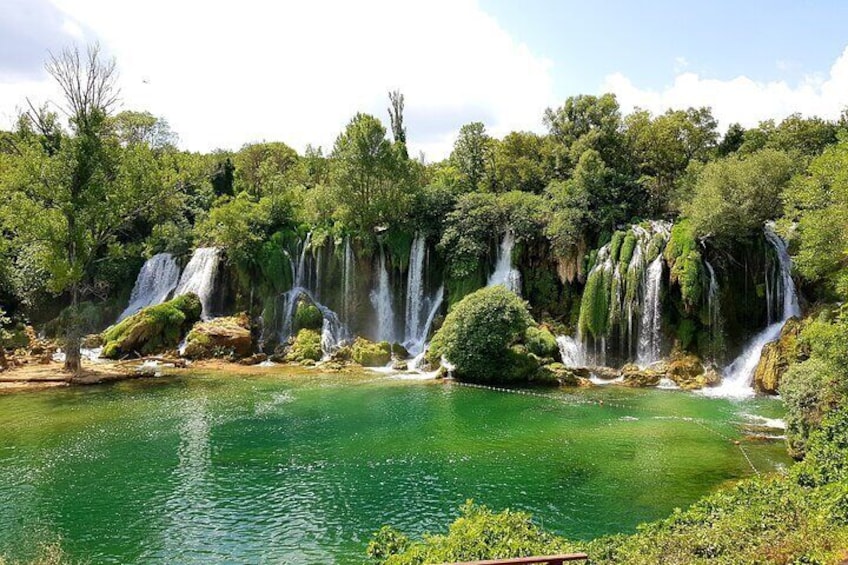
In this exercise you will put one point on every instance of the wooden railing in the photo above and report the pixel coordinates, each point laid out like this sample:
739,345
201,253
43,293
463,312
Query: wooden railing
549,559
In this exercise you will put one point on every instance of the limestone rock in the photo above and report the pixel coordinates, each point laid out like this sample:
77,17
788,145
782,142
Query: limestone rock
254,359
220,337
687,371
777,356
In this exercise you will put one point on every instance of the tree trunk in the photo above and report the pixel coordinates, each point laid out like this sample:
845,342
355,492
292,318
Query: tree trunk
72,336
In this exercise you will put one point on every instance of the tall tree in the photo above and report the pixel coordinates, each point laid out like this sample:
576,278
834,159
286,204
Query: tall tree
471,155
73,200
396,118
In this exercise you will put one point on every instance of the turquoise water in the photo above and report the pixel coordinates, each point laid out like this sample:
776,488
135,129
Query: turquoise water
280,468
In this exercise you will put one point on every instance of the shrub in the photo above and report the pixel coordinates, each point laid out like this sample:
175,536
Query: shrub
307,316
477,333
478,533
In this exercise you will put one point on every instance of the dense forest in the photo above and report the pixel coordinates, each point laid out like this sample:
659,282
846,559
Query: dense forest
89,193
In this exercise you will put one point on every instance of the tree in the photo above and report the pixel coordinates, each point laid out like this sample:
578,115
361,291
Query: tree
371,175
522,161
735,196
74,199
262,168
143,127
396,118
471,155
732,140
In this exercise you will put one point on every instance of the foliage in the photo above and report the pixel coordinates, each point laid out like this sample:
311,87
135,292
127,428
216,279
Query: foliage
478,533
478,331
541,342
570,210
471,155
469,230
818,385
305,347
735,196
818,202
685,264
153,328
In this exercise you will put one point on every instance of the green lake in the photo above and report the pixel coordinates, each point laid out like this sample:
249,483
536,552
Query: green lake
281,468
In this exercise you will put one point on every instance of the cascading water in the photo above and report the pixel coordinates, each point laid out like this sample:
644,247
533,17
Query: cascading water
156,281
650,328
333,330
505,273
199,277
348,280
415,287
572,352
381,299
623,297
736,382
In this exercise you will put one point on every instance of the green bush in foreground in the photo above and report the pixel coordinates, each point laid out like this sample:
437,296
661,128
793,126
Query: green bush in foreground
793,518
478,533
371,354
477,334
541,342
153,328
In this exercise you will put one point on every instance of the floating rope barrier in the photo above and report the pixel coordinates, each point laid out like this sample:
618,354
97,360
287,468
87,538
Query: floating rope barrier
602,402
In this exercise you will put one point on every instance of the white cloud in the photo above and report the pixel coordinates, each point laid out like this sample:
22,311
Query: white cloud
225,74
741,99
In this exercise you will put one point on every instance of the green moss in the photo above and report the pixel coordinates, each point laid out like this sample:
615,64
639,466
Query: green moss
686,330
627,248
398,243
153,328
274,265
306,347
594,307
459,287
540,341
615,245
307,316
370,354
686,265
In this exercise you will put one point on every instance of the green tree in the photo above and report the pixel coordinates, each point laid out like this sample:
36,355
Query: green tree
472,155
373,178
396,119
736,195
522,161
263,168
73,200
143,128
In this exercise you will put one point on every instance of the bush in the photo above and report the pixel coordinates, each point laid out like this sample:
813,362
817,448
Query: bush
153,328
478,533
478,332
306,347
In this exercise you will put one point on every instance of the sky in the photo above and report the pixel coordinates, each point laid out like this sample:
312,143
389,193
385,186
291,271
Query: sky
226,73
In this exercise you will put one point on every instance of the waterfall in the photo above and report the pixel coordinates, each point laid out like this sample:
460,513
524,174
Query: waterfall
333,330
415,287
650,328
505,273
417,343
572,351
156,281
300,272
622,297
381,299
199,277
736,381
348,280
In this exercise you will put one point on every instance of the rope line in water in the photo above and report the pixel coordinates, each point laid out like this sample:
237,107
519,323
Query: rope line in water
695,421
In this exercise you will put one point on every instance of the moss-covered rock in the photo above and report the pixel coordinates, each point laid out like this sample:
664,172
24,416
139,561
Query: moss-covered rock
540,341
568,377
220,337
777,356
635,377
152,329
306,347
370,354
686,371
399,351
307,315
